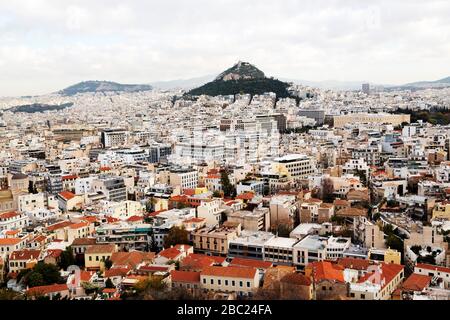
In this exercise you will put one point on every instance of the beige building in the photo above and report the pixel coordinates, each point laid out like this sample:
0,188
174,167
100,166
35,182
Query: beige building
242,280
372,118
215,240
256,220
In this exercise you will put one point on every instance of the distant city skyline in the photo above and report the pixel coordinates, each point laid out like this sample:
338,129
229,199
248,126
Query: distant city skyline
47,45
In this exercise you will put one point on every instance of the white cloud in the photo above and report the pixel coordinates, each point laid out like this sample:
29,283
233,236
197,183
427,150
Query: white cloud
48,44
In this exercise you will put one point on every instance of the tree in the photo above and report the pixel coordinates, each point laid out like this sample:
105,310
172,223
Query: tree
176,236
41,274
67,258
228,189
394,242
283,230
108,264
6,294
327,190
109,283
35,279
217,194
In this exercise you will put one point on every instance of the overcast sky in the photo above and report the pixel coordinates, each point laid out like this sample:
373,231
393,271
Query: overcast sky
46,45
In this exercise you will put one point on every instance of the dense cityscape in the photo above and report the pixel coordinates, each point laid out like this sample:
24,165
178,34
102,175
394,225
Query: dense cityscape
229,158
162,194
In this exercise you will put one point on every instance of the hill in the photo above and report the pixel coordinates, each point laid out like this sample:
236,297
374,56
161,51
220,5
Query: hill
243,77
38,107
103,86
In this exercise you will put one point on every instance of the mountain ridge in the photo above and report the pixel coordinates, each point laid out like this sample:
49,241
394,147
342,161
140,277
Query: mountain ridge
103,86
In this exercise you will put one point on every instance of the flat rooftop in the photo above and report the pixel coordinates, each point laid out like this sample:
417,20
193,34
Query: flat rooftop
312,242
281,242
257,238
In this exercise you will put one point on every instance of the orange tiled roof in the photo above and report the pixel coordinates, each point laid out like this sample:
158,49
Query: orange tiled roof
9,241
416,282
325,270
24,254
69,177
185,276
47,289
246,196
389,271
230,272
353,263
259,264
7,215
67,195
432,267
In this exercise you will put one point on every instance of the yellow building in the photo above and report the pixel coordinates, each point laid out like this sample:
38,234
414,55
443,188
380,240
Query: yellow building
442,211
96,255
386,255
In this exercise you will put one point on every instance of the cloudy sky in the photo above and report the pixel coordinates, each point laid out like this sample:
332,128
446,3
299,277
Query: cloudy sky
46,45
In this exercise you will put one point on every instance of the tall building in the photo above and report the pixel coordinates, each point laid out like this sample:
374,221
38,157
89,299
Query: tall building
113,138
366,88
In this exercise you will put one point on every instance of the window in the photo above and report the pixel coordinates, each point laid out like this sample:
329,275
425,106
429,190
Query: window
212,281
248,284
233,283
363,296
241,283
226,282
204,280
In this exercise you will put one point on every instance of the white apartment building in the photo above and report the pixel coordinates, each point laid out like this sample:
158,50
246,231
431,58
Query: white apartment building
295,166
279,250
31,202
211,211
183,178
121,210
13,221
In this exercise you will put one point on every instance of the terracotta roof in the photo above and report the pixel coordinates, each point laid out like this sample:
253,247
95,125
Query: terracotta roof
213,176
229,272
352,212
416,282
189,192
67,195
7,215
12,232
389,271
101,248
325,270
259,264
9,241
432,267
84,241
79,225
115,272
47,289
170,253
24,254
246,196
54,253
90,219
199,261
353,263
154,268
69,177
194,220
135,218
59,225
340,202
132,258
185,276
296,278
